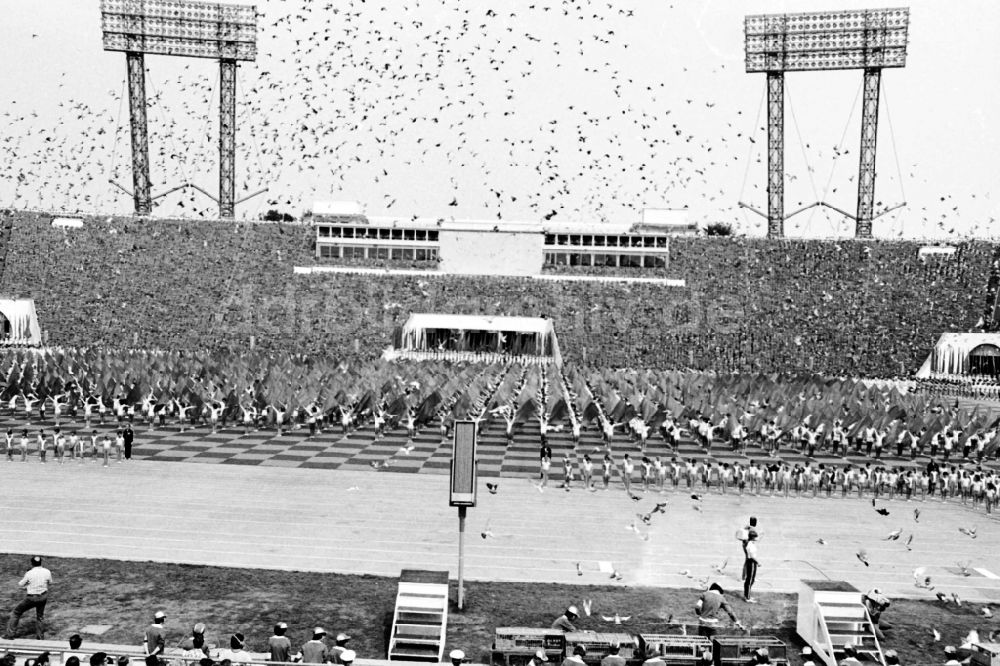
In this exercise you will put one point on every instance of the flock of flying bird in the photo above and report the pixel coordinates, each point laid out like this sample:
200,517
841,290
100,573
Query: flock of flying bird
921,579
531,110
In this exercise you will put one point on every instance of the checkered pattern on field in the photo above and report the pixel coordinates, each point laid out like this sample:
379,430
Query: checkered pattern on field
427,452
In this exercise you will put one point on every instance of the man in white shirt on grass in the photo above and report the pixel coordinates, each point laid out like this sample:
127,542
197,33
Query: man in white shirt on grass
36,583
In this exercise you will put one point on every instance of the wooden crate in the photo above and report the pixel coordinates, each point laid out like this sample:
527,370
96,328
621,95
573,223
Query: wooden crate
528,638
732,650
521,657
675,648
599,645
985,654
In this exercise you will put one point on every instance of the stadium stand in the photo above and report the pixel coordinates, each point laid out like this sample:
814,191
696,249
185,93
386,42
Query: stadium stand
844,308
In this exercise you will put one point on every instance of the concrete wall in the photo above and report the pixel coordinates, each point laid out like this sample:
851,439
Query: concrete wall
495,253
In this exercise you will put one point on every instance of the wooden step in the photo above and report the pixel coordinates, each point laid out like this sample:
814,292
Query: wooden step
414,640
410,631
425,619
414,651
845,620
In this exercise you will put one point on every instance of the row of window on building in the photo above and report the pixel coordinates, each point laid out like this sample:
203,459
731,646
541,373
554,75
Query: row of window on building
377,233
376,252
622,260
598,240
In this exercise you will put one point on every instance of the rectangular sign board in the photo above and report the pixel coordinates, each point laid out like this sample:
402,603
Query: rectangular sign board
463,465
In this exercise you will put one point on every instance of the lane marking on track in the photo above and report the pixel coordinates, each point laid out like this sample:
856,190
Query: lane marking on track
987,573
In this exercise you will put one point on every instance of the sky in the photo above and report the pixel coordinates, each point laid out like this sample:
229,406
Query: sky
581,112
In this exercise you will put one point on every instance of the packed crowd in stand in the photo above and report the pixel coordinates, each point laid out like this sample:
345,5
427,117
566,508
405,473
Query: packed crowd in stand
159,648
850,307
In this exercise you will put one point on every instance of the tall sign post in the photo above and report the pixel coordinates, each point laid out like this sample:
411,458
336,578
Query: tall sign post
865,39
227,33
463,489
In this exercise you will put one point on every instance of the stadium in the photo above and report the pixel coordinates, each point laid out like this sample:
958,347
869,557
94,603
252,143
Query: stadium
248,422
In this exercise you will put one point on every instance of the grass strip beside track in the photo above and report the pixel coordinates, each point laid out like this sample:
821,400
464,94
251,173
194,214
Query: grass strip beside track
126,594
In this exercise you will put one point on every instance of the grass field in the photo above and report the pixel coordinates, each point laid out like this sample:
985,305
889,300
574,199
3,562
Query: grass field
126,594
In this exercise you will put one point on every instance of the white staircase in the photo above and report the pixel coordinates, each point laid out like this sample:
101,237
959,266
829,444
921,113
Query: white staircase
830,616
420,620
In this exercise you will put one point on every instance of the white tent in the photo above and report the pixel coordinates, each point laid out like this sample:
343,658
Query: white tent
955,353
20,314
517,336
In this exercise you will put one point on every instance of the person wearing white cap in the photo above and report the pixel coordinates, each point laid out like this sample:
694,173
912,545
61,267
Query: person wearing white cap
315,650
807,657
278,645
538,658
876,603
155,639
457,657
339,648
347,657
565,621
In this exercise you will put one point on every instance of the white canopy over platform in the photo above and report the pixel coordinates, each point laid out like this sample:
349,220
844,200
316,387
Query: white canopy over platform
963,354
477,334
20,325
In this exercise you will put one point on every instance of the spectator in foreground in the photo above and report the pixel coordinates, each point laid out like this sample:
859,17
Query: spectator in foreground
539,658
75,641
339,648
197,649
576,659
653,657
155,639
613,658
315,651
278,645
850,656
188,642
236,654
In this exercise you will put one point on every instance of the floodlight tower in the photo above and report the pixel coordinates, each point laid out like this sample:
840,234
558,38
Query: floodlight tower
181,28
869,39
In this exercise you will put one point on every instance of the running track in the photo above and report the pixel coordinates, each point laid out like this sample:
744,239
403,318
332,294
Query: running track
366,521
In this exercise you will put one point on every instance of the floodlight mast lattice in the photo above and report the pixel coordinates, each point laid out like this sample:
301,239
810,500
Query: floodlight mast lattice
189,28
869,39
